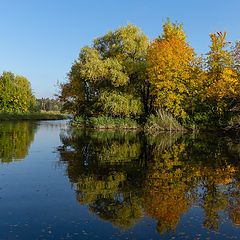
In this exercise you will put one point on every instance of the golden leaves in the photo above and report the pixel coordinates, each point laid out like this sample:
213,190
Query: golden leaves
169,71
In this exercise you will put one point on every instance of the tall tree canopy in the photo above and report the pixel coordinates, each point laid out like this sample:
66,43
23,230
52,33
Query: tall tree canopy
123,75
109,77
15,93
222,83
170,69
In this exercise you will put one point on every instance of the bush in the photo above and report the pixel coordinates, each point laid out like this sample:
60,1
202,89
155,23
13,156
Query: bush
162,121
78,122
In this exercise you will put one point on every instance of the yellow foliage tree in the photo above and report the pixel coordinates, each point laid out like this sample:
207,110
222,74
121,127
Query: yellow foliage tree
170,69
222,86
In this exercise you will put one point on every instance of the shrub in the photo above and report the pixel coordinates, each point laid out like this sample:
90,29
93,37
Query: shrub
78,122
162,121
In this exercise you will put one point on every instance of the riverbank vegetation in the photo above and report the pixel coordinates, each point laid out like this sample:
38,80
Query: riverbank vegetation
35,116
103,122
123,75
17,101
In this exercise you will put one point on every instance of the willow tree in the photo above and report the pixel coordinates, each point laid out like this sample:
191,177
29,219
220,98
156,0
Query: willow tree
109,77
170,69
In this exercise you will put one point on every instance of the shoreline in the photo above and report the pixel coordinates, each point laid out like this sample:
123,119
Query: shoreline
31,116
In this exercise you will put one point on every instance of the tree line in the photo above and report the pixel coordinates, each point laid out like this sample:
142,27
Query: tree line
16,96
124,75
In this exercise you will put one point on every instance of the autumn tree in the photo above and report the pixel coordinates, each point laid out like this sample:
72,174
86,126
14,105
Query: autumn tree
170,65
222,86
121,75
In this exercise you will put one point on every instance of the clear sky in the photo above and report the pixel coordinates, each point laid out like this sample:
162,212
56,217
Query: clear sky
40,39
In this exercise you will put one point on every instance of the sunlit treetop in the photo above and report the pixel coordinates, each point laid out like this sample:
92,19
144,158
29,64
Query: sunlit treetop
171,30
219,55
127,41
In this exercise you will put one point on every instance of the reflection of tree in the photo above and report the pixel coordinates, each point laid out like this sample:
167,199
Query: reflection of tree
120,174
234,202
166,186
214,171
15,139
90,188
213,202
215,182
213,199
103,166
123,209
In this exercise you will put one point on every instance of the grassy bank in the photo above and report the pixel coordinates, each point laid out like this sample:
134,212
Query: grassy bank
104,122
158,122
31,116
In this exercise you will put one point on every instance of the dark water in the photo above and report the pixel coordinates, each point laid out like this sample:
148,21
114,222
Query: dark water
58,184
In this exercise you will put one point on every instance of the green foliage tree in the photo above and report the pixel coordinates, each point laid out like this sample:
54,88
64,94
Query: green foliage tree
15,93
109,75
47,104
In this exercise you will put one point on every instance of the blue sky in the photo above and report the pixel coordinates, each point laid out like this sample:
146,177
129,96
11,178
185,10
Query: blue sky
40,39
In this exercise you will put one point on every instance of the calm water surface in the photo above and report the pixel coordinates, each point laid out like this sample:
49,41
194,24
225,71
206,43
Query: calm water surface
60,184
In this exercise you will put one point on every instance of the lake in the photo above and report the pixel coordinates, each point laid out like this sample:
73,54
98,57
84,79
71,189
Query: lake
57,183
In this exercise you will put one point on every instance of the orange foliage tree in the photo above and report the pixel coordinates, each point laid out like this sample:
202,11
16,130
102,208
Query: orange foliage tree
164,189
170,69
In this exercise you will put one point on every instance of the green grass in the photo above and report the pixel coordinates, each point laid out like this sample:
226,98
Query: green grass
78,122
104,122
31,116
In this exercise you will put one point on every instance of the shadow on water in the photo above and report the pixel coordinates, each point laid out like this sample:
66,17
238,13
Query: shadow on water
15,140
124,176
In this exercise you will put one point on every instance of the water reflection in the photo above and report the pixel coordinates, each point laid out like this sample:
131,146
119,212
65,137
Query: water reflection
15,139
107,173
124,176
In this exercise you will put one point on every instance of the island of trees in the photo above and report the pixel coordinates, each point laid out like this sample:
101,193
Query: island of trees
123,80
